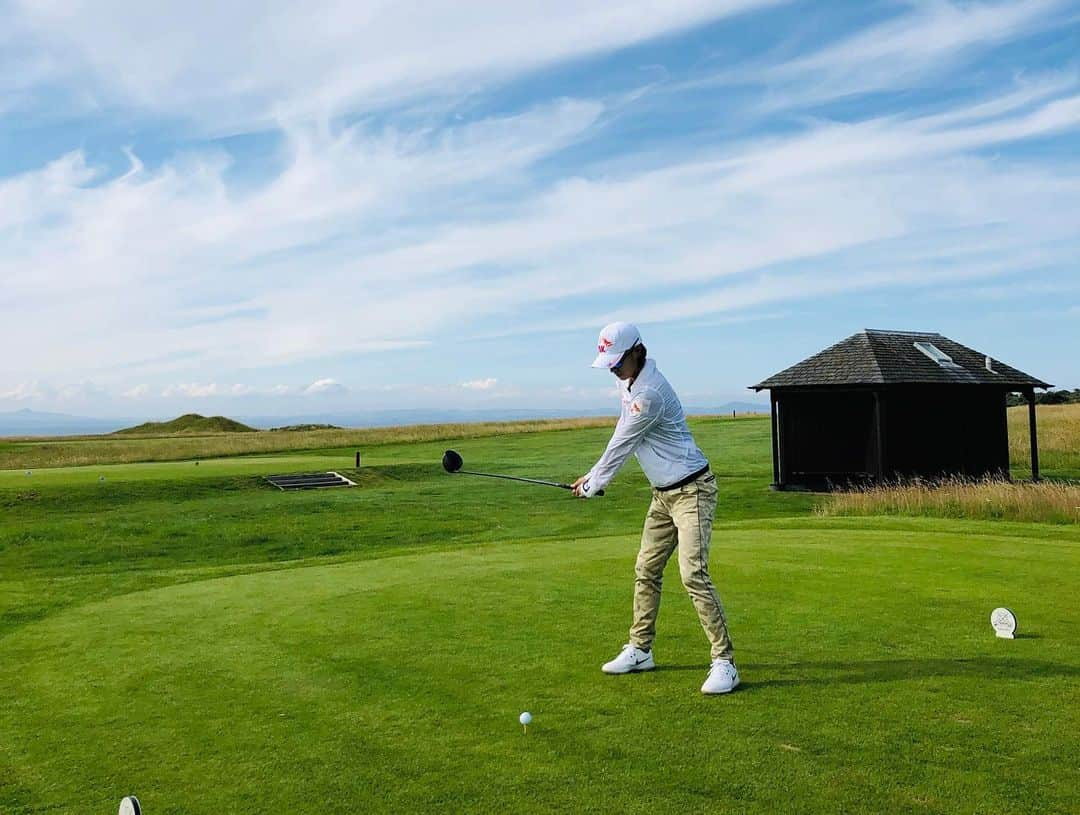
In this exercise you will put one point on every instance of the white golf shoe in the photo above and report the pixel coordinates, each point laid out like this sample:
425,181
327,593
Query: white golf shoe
630,660
723,677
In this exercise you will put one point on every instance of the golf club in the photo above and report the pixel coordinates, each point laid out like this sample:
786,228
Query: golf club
452,463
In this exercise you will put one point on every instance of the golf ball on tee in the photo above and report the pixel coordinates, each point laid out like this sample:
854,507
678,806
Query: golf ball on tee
525,718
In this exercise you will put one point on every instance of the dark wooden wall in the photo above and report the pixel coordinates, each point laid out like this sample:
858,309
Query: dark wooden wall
934,432
827,436
833,437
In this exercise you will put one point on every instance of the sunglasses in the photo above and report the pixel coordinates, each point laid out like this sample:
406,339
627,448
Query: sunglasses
618,365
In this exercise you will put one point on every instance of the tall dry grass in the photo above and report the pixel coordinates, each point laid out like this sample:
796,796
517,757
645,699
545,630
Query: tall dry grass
79,451
1059,438
1045,502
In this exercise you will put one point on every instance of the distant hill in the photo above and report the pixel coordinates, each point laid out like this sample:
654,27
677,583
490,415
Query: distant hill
189,423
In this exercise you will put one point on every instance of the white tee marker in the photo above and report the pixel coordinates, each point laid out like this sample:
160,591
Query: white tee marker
1004,623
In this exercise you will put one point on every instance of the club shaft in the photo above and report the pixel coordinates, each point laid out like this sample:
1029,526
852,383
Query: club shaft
526,480
516,478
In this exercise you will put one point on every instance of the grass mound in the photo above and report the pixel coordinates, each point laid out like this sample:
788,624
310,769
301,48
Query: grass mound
189,423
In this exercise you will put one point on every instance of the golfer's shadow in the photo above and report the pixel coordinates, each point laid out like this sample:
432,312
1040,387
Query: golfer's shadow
760,675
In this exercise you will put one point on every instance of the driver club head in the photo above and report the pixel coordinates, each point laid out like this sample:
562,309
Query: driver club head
451,461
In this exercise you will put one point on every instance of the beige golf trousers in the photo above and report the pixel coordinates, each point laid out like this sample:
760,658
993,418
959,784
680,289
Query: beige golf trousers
679,519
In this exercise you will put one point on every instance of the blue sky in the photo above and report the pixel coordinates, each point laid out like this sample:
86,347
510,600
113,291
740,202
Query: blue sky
328,206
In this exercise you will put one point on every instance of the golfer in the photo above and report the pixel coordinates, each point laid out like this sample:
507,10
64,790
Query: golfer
653,427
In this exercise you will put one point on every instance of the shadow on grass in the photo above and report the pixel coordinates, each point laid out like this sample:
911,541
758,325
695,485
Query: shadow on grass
756,676
899,670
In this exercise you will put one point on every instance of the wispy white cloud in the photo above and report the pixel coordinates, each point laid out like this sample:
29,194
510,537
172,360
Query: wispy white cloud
326,387
80,392
390,234
35,391
198,390
27,391
480,384
129,251
207,390
1016,289
140,240
917,183
232,67
138,392
925,38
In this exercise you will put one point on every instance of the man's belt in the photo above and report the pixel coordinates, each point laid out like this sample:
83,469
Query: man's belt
689,479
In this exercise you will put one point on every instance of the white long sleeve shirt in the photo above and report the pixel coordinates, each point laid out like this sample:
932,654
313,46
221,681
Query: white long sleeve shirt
653,427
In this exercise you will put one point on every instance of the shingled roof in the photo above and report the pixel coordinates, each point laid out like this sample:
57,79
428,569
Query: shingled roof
890,357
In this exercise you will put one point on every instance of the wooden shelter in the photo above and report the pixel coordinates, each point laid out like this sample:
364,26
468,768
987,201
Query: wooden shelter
890,405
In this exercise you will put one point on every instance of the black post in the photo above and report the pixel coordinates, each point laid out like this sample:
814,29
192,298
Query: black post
1005,469
358,459
775,441
1033,428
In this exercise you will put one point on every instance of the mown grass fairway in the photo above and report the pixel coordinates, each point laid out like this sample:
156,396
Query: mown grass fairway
213,645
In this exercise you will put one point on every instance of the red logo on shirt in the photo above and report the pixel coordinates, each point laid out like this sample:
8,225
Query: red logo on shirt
635,407
605,344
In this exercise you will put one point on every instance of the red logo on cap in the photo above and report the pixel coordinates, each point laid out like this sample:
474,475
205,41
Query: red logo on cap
605,344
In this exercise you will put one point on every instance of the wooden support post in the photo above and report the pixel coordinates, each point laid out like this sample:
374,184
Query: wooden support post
1034,429
1005,470
775,442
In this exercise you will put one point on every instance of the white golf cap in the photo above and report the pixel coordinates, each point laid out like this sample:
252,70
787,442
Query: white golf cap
615,340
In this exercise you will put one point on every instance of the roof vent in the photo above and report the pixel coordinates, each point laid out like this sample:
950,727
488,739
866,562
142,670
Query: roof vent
936,354
990,365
